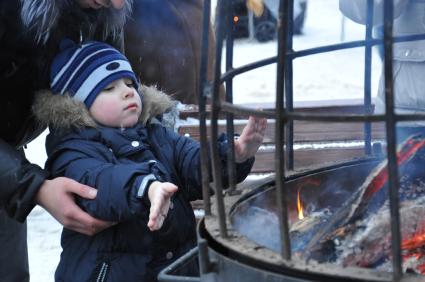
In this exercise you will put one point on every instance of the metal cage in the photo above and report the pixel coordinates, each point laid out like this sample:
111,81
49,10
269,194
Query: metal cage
284,116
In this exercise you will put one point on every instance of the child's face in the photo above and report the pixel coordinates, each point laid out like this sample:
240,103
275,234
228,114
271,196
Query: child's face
118,105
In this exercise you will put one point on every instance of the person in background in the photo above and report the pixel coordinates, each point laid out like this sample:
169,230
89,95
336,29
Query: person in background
408,57
103,134
163,43
30,32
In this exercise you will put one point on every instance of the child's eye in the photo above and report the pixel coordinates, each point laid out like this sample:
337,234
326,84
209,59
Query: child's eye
130,84
109,88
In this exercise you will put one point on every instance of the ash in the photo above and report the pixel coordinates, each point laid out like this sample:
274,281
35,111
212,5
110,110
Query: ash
370,245
262,227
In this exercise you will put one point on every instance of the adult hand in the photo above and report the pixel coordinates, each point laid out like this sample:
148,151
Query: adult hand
159,194
57,197
246,146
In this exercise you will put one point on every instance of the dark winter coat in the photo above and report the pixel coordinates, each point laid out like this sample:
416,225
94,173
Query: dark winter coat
29,34
121,163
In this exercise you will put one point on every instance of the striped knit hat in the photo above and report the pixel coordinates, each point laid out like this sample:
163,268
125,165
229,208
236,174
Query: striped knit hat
83,71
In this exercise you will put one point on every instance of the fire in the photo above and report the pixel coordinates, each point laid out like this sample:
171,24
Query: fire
235,19
414,248
299,207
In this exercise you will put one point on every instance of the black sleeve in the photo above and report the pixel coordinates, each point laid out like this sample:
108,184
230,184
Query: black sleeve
19,182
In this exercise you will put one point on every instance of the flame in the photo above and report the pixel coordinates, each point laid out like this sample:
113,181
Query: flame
413,247
235,19
299,207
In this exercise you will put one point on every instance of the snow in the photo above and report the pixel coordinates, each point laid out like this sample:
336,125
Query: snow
335,75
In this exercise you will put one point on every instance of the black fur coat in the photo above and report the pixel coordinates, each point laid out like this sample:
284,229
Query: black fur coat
30,31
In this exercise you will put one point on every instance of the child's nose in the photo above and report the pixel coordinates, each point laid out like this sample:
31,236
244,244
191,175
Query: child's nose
128,92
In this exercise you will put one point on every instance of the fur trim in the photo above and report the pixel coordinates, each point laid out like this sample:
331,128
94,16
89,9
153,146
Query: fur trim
63,113
114,19
41,17
155,102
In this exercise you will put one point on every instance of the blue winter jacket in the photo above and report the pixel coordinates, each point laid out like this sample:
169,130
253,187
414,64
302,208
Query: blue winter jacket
121,164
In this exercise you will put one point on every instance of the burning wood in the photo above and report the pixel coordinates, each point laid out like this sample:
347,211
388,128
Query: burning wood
359,233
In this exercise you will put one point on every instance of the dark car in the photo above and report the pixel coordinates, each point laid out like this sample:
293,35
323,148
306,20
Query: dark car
264,27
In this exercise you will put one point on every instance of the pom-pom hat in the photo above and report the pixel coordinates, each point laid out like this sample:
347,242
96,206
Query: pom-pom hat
84,70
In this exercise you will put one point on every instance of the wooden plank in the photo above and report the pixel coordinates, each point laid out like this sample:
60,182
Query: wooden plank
264,160
304,131
353,106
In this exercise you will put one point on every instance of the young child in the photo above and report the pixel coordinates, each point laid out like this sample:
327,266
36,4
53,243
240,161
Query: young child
103,133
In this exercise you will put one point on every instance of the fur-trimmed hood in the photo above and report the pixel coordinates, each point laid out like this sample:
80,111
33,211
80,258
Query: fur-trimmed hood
63,113
42,16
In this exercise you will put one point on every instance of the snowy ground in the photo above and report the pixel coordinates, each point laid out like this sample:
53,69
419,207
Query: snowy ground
336,75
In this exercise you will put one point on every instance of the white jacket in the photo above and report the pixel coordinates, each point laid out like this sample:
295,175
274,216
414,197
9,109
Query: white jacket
409,57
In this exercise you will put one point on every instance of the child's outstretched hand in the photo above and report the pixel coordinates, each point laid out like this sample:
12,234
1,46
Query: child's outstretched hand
159,195
251,138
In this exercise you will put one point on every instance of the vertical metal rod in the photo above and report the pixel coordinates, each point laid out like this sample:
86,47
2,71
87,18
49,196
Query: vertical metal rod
251,25
368,77
229,98
391,140
289,94
203,88
279,131
216,166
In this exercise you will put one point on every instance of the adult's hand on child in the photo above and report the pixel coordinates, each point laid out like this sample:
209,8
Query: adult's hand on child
57,196
159,194
246,146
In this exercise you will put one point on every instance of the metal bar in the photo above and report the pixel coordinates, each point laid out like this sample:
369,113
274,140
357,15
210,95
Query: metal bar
241,110
316,50
279,131
368,78
164,275
354,44
216,166
289,93
229,98
391,141
205,264
203,88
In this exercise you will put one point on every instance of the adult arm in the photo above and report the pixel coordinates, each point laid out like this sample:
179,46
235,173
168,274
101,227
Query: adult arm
356,10
57,196
24,184
19,182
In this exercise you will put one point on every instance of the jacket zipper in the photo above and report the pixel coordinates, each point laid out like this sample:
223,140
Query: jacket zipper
102,273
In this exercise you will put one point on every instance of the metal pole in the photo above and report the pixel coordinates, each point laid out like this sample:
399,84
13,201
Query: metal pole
367,77
289,94
229,98
216,166
279,131
391,141
203,89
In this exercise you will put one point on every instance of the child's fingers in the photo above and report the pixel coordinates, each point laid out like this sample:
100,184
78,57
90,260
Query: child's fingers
171,189
160,205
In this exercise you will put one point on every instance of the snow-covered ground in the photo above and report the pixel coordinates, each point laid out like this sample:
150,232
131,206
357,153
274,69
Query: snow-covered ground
336,75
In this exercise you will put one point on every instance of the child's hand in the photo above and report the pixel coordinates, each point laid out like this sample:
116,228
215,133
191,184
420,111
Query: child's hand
159,195
251,138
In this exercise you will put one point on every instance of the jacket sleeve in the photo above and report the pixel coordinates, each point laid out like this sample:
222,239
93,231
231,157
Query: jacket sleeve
188,162
19,182
121,186
356,10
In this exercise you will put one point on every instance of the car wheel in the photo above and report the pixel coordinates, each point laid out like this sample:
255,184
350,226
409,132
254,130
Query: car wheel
265,31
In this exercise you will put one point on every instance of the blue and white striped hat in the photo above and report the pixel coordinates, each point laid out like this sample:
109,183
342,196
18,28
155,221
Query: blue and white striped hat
84,70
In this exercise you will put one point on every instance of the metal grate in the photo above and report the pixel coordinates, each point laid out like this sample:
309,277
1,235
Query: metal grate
284,114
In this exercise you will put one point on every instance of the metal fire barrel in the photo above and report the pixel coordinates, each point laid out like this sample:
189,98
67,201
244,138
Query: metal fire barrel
240,258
